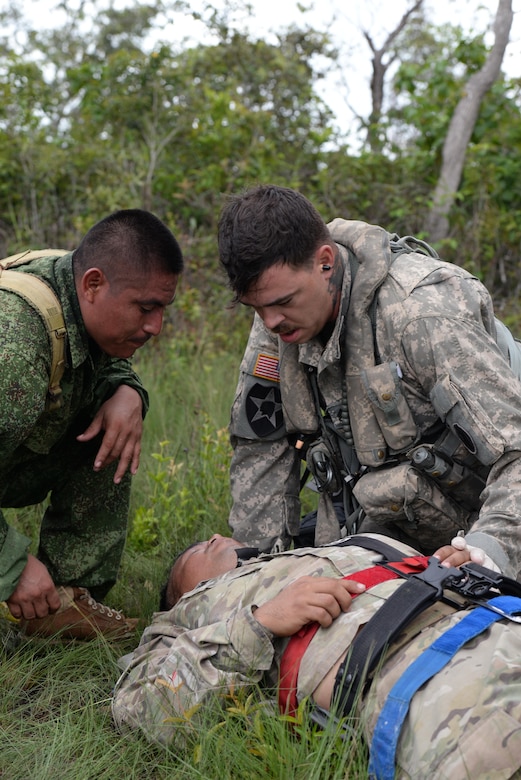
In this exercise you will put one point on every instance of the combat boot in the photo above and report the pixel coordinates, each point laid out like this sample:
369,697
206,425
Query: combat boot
80,617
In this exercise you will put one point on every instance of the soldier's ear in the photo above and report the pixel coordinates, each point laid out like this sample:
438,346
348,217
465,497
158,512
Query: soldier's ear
92,281
325,258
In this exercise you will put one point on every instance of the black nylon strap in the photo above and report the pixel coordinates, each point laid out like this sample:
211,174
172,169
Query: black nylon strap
409,600
244,554
368,543
371,641
419,591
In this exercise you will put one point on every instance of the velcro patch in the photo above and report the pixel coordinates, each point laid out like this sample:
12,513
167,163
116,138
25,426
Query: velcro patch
264,409
267,367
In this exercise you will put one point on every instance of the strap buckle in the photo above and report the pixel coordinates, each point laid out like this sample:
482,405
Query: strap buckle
470,580
440,577
478,581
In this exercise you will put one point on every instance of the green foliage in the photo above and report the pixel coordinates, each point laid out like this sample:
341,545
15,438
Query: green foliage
243,727
165,130
93,118
427,86
256,742
186,494
56,725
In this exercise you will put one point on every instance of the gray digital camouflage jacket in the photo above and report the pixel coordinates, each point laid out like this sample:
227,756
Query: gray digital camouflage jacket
438,368
25,358
466,719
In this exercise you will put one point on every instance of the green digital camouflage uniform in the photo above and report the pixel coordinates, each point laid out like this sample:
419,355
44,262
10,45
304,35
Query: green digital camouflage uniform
83,529
438,368
465,722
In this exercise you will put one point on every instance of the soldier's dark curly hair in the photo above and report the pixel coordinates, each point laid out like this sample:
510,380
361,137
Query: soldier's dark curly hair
266,225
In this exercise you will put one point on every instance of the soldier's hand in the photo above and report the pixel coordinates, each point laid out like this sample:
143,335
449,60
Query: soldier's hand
121,419
35,594
307,600
451,556
459,547
459,551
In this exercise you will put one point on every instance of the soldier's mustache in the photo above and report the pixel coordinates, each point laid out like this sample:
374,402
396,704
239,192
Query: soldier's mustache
281,329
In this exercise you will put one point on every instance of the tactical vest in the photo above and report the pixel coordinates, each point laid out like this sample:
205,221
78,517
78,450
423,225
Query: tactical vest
44,300
374,394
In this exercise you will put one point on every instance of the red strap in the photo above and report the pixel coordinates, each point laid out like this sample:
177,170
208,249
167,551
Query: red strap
297,645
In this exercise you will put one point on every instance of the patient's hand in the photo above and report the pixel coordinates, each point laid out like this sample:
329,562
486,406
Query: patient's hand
307,600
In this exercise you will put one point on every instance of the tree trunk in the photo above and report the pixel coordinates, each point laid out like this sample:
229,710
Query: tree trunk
462,125
378,75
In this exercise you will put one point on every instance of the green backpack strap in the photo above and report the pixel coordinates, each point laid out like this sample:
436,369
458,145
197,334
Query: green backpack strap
45,301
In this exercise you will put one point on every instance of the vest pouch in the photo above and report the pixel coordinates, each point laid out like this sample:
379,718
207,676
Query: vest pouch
370,445
383,385
403,497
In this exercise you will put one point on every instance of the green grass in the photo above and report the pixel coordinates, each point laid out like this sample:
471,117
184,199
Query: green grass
55,698
56,725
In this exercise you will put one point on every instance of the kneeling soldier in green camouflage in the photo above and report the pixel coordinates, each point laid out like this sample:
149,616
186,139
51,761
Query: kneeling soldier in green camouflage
71,412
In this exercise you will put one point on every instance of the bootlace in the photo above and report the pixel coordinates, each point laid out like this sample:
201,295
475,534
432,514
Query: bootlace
101,608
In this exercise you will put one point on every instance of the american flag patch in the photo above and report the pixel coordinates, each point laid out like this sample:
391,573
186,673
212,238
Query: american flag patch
267,367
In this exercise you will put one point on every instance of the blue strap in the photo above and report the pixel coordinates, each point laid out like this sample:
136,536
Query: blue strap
432,660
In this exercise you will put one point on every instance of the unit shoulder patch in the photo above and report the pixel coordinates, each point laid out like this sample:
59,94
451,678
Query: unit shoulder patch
264,409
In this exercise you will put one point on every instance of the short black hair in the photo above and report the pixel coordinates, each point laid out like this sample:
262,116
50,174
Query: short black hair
170,592
132,239
266,225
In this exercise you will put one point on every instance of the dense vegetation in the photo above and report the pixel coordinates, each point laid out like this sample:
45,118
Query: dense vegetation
92,118
102,113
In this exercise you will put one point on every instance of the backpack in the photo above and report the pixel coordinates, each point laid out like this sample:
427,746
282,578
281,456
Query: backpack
507,343
44,300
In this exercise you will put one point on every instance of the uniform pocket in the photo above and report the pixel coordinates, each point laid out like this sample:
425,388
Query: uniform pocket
383,386
402,496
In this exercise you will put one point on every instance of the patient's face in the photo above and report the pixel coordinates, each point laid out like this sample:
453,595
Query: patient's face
206,560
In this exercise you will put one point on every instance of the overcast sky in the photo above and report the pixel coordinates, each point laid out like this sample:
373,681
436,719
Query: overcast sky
344,19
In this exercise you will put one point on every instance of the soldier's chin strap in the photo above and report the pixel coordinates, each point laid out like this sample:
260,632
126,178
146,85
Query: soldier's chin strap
471,581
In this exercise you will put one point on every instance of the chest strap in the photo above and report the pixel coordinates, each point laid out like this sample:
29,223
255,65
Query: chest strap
299,642
432,660
471,581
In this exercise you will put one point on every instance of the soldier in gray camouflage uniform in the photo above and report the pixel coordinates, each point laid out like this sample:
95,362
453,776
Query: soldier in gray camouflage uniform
231,631
378,363
113,290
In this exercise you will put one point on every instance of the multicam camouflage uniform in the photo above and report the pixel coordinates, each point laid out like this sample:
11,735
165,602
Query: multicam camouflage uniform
465,722
428,364
83,529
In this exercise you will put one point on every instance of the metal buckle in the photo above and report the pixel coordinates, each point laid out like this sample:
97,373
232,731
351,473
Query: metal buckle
492,608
